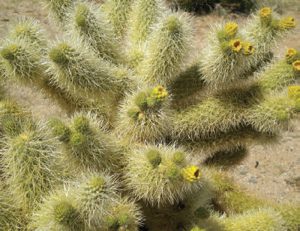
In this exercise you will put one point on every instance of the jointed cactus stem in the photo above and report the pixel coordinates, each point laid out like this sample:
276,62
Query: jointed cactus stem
150,126
31,156
93,27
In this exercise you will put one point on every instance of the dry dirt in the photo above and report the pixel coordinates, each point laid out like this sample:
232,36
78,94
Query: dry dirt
278,174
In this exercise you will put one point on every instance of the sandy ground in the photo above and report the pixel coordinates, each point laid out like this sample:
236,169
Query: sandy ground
278,173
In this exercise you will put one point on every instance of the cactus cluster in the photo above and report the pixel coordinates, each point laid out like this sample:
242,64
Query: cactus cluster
150,121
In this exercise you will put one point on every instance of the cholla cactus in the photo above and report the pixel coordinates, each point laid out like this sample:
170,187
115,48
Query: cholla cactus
58,212
149,124
85,145
262,219
123,214
29,161
95,193
13,120
161,175
10,214
144,115
90,24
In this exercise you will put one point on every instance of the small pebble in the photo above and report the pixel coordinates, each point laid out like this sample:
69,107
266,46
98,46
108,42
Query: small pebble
252,180
243,172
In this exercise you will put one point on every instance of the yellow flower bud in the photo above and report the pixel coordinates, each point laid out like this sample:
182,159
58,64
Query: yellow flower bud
265,12
159,92
248,48
291,52
294,92
236,45
287,23
231,28
191,173
296,65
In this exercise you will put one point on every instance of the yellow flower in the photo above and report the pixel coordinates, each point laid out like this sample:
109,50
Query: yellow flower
191,173
231,28
235,45
291,52
294,91
287,23
248,48
265,12
296,65
159,92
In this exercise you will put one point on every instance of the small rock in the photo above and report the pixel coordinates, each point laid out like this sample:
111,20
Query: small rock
284,174
252,180
243,172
